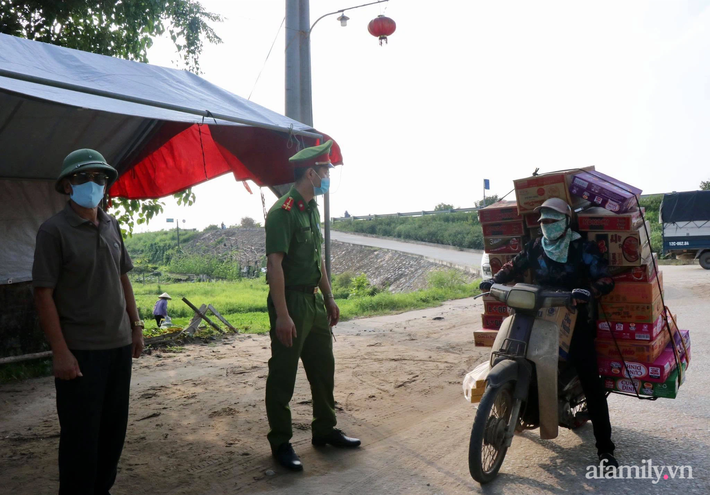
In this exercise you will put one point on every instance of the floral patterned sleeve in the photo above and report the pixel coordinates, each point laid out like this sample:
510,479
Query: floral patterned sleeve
598,267
517,266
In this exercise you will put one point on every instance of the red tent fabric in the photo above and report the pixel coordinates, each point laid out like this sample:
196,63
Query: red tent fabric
182,155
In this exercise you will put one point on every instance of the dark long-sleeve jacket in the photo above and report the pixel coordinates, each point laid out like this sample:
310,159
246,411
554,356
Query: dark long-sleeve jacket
585,268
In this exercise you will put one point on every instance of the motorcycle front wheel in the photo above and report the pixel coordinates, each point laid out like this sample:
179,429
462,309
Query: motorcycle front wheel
487,449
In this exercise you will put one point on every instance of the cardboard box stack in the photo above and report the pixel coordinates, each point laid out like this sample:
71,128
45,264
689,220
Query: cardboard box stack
632,335
503,238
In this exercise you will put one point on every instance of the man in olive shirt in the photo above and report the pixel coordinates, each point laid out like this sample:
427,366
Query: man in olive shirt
89,316
300,317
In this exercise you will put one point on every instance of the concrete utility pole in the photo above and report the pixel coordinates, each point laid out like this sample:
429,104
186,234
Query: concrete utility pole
299,95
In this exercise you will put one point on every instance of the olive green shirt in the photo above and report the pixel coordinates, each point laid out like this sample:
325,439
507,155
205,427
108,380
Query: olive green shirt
84,264
293,228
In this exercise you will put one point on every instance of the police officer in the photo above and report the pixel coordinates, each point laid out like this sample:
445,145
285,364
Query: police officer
301,318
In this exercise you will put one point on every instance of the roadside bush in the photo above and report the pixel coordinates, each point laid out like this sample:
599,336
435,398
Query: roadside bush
446,279
210,265
361,287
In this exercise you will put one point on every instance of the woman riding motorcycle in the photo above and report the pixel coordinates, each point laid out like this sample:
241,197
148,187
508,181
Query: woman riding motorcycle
563,260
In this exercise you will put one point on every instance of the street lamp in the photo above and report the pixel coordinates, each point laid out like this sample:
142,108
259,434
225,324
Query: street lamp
343,20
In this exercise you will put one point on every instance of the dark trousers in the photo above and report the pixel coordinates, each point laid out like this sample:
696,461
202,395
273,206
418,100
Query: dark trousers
584,357
314,347
93,415
159,320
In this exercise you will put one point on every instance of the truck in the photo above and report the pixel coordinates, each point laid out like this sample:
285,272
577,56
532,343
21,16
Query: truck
686,225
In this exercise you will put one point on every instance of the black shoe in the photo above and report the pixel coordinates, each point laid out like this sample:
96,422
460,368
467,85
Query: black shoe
287,457
336,438
607,460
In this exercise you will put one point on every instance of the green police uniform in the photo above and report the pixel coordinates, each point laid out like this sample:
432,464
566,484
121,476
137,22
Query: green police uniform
293,228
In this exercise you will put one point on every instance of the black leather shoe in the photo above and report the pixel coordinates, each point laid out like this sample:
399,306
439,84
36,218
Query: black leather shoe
287,457
607,460
336,438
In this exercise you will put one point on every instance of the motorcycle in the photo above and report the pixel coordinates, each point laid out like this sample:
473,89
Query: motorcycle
527,386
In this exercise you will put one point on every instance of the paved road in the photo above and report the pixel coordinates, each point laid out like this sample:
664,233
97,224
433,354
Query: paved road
466,259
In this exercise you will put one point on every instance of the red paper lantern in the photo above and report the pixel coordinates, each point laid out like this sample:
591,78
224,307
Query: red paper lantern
381,27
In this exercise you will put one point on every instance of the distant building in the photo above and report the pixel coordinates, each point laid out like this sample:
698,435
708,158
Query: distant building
347,215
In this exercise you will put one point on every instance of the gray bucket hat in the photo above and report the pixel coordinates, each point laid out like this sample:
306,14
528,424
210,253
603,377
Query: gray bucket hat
555,209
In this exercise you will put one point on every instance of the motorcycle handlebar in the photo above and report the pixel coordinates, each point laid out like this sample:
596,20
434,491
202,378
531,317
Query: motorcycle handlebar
553,299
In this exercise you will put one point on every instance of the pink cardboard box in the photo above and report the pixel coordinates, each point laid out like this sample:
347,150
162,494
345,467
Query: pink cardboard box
604,191
631,331
657,371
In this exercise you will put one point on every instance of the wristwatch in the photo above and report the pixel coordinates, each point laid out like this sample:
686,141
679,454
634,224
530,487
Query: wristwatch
138,323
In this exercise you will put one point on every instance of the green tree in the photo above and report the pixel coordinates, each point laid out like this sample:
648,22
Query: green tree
247,222
705,185
122,29
443,207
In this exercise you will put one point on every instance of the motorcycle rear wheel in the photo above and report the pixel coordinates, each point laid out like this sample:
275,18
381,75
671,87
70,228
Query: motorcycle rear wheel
486,450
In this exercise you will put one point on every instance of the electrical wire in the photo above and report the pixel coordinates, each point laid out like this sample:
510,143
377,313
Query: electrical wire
267,57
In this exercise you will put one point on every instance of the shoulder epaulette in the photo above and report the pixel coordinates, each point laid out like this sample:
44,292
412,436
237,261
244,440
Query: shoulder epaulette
288,204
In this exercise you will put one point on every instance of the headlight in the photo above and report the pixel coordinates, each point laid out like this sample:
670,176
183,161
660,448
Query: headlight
521,299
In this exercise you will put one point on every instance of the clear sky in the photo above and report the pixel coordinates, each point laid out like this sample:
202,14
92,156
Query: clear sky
469,89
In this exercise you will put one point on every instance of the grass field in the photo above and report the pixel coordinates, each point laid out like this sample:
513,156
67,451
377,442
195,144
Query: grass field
243,302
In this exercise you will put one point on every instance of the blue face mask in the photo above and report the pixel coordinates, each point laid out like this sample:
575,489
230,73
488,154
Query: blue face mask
88,195
323,188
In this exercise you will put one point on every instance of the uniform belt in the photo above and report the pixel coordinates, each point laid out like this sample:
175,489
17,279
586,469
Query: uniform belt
308,289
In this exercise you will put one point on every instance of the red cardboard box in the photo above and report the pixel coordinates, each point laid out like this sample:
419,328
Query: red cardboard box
503,229
495,307
623,248
498,260
635,292
656,371
501,211
484,338
631,312
503,245
643,273
604,191
631,331
531,192
598,218
492,322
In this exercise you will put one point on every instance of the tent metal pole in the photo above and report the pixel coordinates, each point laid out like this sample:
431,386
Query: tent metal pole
143,101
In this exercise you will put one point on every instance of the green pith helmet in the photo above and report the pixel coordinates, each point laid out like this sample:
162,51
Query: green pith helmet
85,159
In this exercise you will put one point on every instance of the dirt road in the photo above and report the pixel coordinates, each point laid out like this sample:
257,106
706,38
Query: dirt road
198,426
